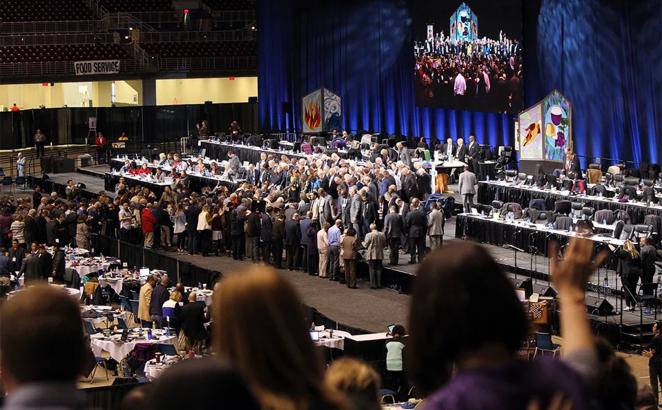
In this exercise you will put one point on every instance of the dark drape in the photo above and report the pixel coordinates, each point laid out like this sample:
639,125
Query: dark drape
363,52
146,124
605,56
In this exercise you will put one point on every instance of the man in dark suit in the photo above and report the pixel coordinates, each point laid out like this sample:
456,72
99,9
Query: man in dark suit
572,164
417,225
648,255
253,175
266,235
30,269
5,265
160,295
461,150
16,255
31,231
36,197
393,229
472,148
192,321
58,265
292,240
472,153
253,222
45,263
52,227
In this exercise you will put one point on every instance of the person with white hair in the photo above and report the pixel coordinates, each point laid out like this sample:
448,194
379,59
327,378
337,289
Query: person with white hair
20,165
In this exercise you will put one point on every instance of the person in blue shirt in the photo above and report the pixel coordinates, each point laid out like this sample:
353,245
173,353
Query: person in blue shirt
334,251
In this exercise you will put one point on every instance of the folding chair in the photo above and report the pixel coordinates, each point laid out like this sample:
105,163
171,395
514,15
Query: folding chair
544,344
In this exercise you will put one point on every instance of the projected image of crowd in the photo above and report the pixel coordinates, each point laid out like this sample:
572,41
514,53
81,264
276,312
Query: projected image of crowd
483,74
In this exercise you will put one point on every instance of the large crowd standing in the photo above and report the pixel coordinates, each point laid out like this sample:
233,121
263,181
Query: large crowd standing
480,74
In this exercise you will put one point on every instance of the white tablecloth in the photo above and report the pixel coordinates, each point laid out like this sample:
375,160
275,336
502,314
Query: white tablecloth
115,283
153,370
119,350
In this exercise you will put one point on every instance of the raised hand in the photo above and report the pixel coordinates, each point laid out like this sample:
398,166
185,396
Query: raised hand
571,274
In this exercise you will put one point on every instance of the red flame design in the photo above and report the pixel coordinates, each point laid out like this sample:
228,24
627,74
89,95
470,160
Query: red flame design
312,115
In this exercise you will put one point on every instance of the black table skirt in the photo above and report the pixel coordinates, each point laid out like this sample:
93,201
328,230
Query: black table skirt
489,192
250,154
484,170
500,234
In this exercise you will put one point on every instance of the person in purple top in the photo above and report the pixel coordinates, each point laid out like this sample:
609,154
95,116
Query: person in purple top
467,325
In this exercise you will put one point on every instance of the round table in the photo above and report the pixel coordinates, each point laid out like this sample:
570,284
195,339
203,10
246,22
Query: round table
117,349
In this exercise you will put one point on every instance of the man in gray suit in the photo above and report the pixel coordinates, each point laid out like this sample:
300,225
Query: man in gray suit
436,222
375,242
355,209
467,186
393,229
233,164
403,154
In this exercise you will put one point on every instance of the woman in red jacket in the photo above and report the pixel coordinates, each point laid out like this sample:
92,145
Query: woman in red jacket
148,221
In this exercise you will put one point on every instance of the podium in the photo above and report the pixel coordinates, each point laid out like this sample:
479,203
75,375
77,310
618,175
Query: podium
321,111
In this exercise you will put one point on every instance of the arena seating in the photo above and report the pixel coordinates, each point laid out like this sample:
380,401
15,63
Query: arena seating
39,10
230,4
79,52
115,6
201,49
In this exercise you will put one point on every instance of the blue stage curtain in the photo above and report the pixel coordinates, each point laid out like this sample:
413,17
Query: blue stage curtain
606,57
363,52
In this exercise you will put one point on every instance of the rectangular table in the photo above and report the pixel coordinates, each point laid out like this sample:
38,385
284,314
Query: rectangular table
522,194
522,235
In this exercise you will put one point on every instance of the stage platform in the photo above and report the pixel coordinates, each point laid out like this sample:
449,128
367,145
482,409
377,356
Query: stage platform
373,310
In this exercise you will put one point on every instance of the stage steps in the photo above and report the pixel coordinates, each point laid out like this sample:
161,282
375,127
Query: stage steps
637,336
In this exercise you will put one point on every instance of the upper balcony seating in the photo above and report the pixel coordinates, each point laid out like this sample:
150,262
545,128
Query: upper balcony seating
201,49
231,4
135,6
74,52
43,10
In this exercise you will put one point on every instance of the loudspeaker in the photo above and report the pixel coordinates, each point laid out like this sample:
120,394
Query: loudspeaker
527,285
598,306
544,290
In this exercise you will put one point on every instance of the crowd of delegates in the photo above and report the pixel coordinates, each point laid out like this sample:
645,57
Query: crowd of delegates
480,74
320,213
265,359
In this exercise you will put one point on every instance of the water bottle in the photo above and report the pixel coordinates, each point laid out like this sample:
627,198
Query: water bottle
659,285
606,283
149,334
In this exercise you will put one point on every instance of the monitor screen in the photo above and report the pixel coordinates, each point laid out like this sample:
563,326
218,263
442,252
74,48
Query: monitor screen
468,54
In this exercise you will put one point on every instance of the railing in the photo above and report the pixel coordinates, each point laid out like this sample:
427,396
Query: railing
55,68
235,64
224,35
123,21
231,16
65,26
56,39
